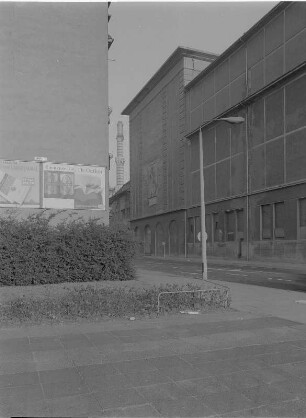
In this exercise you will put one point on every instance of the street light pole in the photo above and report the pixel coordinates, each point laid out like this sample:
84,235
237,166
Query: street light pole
234,120
203,227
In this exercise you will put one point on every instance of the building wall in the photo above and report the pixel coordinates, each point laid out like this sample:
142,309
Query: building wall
255,173
246,167
57,215
273,50
157,127
53,82
161,235
154,132
120,209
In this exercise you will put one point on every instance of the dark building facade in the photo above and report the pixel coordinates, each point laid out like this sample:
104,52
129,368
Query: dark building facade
157,154
119,204
255,172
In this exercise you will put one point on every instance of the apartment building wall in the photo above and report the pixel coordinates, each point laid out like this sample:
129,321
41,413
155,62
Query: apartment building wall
54,83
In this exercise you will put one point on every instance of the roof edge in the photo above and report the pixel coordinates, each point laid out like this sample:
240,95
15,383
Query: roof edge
241,40
179,52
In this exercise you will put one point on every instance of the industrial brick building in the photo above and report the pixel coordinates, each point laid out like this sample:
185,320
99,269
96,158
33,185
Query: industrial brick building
255,173
119,204
54,97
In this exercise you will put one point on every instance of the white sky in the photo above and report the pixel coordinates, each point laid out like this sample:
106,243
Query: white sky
145,35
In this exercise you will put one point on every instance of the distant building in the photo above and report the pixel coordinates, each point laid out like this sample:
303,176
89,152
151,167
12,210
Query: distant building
54,93
119,204
255,173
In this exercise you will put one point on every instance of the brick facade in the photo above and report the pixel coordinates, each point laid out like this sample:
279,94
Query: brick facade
255,178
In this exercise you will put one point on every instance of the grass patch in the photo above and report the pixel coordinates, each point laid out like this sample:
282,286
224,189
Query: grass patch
90,302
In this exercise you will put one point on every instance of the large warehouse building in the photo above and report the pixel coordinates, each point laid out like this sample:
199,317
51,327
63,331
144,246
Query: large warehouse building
255,172
54,104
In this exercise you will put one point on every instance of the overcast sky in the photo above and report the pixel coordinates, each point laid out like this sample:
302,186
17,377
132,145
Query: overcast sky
145,35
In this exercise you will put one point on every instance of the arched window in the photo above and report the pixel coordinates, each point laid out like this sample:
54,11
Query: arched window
173,239
159,240
147,240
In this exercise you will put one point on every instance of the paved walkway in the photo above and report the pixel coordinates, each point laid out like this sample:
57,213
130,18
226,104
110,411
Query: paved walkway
248,362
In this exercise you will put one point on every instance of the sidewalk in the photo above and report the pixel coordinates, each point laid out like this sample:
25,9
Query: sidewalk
245,298
246,362
217,261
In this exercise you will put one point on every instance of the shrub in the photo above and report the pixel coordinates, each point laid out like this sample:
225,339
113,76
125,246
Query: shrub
34,252
89,302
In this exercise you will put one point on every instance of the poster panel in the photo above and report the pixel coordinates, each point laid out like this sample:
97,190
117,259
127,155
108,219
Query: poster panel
19,184
68,186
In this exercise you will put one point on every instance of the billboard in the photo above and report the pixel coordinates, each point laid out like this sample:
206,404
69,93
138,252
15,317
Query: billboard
19,184
68,186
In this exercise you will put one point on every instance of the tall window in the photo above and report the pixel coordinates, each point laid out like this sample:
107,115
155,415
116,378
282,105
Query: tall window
190,234
279,220
302,218
240,223
266,222
272,221
197,224
234,224
216,228
208,227
230,225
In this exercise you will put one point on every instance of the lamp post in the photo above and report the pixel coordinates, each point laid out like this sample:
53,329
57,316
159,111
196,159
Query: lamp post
234,120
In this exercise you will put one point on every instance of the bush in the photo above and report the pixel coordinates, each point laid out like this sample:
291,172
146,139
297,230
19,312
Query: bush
91,303
34,252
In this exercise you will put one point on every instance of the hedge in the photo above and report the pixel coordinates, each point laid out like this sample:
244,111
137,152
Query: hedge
110,302
34,252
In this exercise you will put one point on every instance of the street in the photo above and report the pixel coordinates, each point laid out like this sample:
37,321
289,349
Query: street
245,274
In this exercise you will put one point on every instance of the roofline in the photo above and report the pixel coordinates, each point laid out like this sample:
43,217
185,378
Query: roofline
124,188
166,66
240,41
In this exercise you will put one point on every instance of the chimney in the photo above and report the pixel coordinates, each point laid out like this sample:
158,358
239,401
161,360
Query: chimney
119,160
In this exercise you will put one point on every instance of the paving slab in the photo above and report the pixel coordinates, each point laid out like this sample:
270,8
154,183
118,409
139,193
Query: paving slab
207,365
142,411
189,407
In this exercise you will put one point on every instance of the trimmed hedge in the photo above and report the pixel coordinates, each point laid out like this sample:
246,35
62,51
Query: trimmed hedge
34,252
110,302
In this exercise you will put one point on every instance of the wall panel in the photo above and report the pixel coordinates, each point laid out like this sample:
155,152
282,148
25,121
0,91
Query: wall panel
275,162
223,177
296,156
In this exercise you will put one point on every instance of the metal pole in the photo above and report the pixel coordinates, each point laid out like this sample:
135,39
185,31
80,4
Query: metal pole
203,229
247,187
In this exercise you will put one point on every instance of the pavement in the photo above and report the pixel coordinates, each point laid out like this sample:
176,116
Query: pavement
249,361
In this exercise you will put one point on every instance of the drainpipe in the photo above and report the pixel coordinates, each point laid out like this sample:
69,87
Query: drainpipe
185,233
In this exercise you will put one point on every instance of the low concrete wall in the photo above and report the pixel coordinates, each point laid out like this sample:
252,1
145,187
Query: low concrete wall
285,251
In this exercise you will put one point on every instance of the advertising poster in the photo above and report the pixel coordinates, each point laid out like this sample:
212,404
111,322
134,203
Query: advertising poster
19,184
69,186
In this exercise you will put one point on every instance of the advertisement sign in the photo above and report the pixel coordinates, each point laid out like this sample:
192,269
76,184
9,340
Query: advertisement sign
68,186
19,184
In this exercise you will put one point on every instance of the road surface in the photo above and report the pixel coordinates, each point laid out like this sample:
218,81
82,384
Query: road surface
245,274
